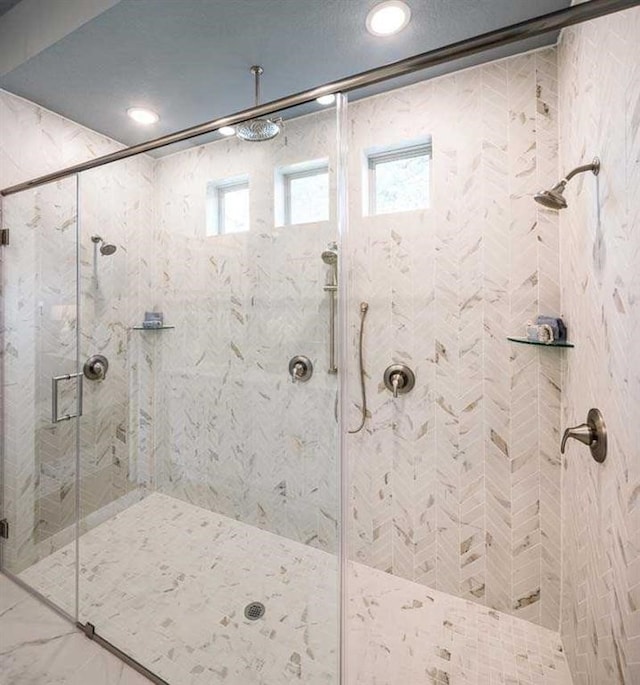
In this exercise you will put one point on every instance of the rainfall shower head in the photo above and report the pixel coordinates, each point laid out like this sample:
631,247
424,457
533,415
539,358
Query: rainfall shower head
258,130
554,198
106,249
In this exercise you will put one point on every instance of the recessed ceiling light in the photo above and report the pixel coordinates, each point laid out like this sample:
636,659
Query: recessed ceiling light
143,116
227,131
388,17
326,99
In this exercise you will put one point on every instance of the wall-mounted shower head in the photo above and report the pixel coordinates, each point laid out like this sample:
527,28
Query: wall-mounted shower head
554,198
258,130
106,249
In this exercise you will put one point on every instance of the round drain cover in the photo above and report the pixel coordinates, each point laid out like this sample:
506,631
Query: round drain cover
254,611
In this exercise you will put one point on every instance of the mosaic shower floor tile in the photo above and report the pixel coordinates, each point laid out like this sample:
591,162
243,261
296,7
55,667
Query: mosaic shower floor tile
168,582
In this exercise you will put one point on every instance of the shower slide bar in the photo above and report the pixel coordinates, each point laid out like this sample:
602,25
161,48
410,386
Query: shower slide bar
554,21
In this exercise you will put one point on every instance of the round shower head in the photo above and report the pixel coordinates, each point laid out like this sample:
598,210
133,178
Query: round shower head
258,130
552,199
106,249
330,257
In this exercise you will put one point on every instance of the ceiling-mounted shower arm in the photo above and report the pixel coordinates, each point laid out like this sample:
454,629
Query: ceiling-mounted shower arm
259,129
257,71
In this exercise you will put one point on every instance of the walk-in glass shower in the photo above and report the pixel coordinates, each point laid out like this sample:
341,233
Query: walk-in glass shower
274,411
182,498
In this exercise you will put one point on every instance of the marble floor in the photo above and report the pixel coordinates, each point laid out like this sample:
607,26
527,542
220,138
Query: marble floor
167,582
39,647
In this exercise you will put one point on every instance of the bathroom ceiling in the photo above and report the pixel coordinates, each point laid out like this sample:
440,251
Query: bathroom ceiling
6,5
189,59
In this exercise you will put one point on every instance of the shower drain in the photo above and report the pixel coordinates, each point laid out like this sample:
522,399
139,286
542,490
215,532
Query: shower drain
254,611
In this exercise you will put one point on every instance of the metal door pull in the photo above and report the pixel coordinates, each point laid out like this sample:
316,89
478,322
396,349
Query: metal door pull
54,397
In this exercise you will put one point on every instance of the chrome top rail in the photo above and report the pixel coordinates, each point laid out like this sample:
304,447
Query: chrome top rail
529,28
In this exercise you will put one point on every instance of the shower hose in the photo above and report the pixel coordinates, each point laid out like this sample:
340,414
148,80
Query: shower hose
364,308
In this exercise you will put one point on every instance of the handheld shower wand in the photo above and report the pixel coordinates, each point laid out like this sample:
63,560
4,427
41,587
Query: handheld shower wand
330,257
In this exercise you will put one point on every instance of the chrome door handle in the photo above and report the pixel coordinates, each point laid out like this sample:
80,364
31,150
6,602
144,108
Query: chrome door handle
593,433
54,397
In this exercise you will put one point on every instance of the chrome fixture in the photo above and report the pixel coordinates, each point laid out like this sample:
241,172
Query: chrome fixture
96,367
330,257
300,368
254,611
554,198
364,308
592,433
399,379
530,28
55,418
257,130
106,249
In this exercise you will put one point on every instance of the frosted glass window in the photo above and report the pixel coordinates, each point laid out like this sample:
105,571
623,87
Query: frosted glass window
228,208
306,196
399,179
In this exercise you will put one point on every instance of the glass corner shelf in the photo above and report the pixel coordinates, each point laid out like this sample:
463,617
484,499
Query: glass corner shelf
526,341
151,328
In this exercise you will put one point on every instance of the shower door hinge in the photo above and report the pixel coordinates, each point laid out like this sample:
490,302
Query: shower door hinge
4,236
4,529
88,629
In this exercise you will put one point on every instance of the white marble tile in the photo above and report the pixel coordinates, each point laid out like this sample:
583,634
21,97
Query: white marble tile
167,582
599,89
38,646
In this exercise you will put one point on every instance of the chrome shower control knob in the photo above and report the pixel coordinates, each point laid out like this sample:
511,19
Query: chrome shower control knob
399,379
96,367
300,369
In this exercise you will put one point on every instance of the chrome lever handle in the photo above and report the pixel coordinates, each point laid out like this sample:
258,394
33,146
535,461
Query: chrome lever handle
593,433
583,433
300,369
397,382
399,379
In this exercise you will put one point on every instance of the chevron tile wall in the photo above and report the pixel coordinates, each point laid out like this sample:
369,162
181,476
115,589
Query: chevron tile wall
457,485
238,437
599,87
40,339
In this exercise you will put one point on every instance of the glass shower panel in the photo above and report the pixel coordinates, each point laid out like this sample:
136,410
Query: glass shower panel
209,479
41,390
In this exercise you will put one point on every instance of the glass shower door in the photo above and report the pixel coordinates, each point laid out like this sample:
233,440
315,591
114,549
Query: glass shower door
209,501
42,390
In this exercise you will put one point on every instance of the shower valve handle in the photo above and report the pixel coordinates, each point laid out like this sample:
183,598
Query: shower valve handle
96,367
399,379
300,369
397,382
593,433
583,433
